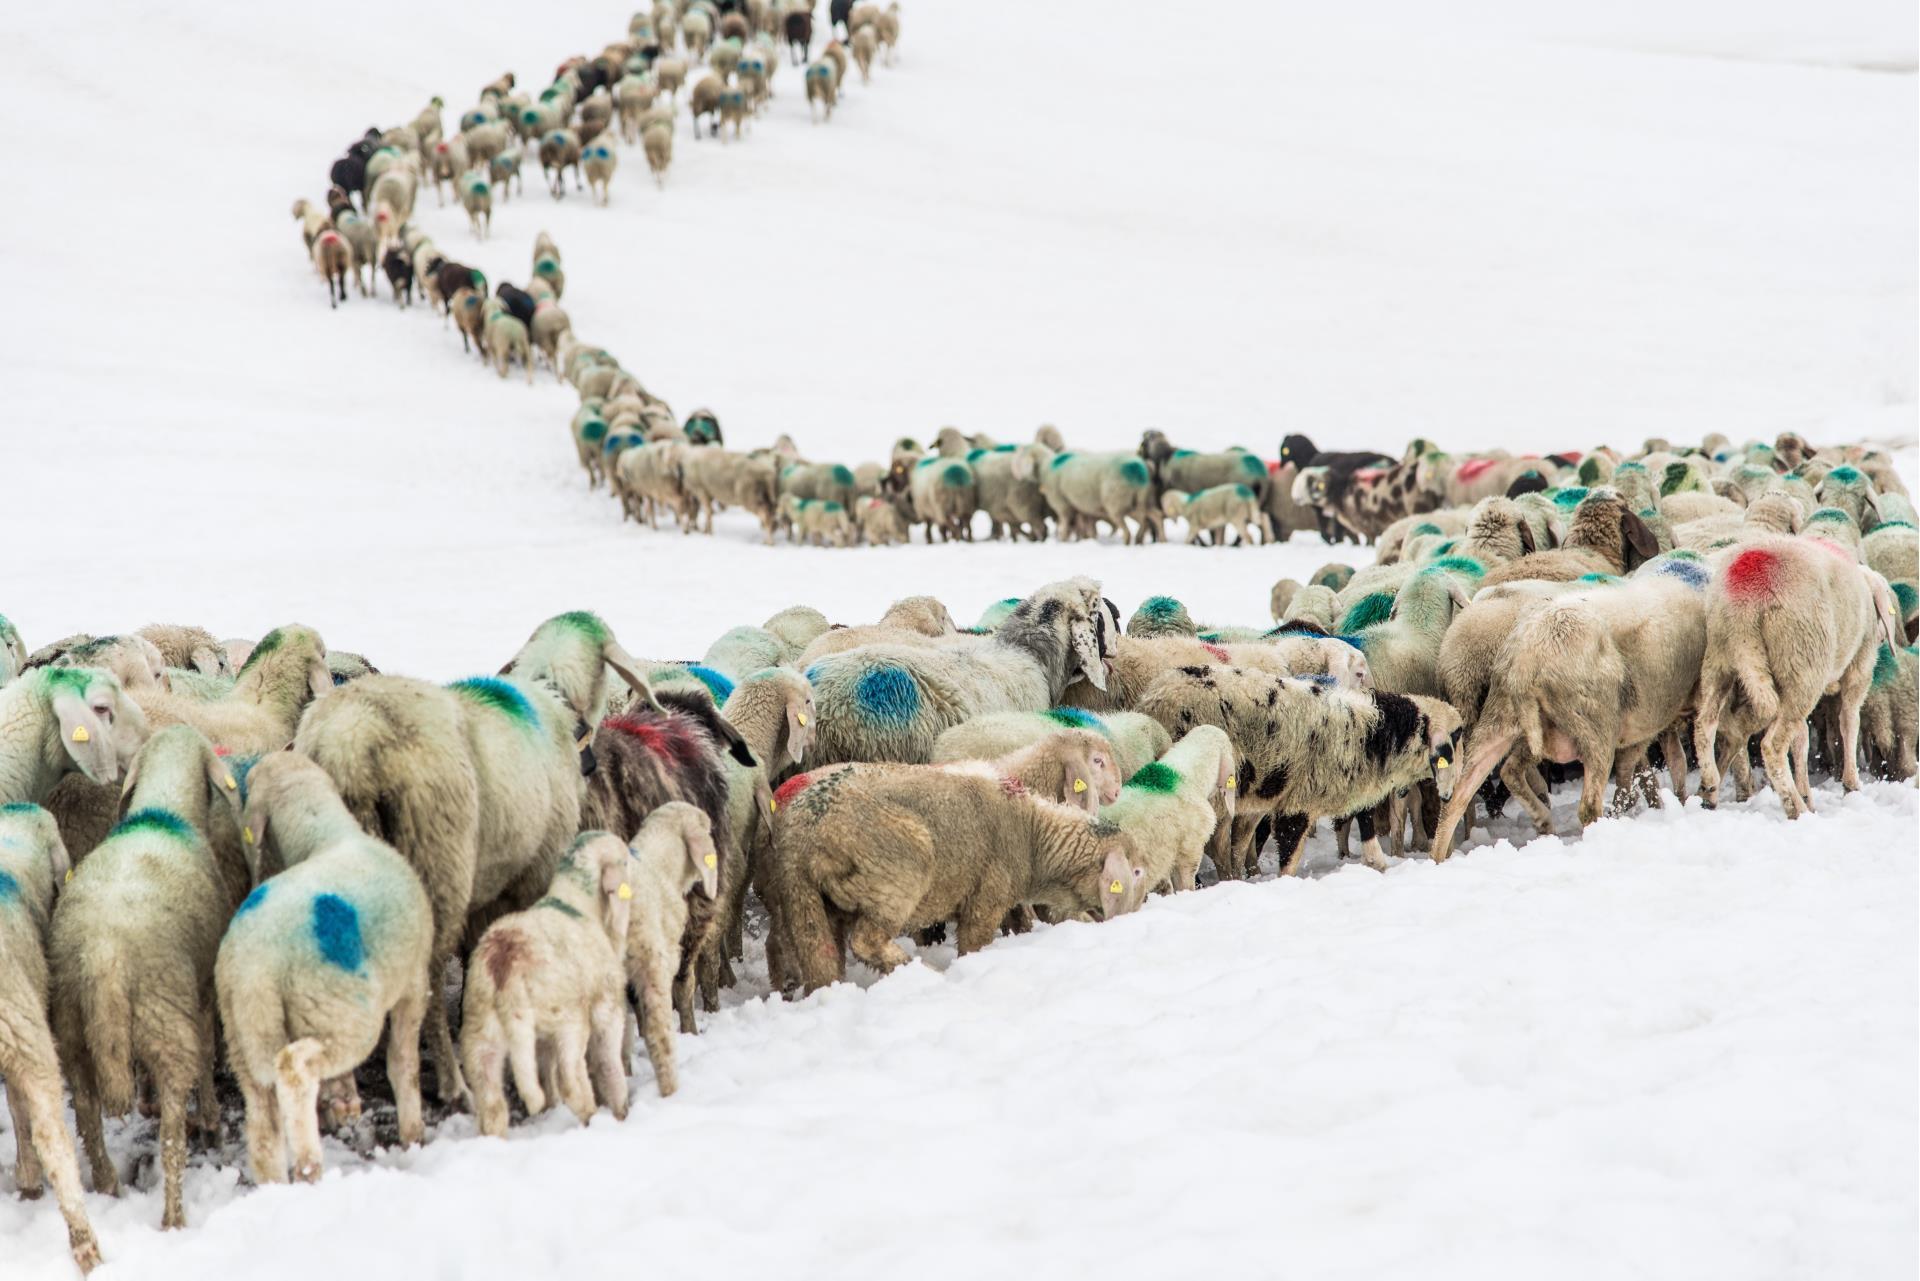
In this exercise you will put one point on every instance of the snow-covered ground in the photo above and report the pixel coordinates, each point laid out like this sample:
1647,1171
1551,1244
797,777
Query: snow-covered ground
1680,1045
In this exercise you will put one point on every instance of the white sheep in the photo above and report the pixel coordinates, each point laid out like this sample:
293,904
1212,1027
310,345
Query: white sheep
1216,510
314,962
131,955
58,720
671,853
544,990
33,863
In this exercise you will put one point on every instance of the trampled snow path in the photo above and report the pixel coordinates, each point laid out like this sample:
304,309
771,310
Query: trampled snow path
1682,1045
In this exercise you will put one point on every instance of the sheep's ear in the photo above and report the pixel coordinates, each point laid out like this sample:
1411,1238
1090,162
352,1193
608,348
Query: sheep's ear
1116,880
1639,536
206,661
1885,609
253,836
1086,651
1458,590
319,678
1873,508
1526,536
222,782
628,669
707,857
799,728
86,739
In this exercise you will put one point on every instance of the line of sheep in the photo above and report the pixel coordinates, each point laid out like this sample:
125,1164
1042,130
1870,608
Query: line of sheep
572,125
277,849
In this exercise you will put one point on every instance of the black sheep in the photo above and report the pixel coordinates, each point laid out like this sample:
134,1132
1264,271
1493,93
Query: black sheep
399,269
519,303
800,35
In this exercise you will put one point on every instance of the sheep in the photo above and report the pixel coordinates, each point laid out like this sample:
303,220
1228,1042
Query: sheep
744,650
634,96
796,626
645,759
1160,616
13,651
858,843
559,151
671,75
1082,489
1169,806
888,29
60,720
724,58
1788,618
1135,740
1693,505
714,476
133,659
131,953
1594,675
1309,750
549,328
312,222
315,960
864,44
33,864
1606,537
1402,651
647,480
823,89
1313,605
1008,482
881,523
1137,663
705,101
545,986
657,140
831,482
907,621
835,56
890,702
1191,472
1888,715
599,162
476,197
818,521
696,28
332,259
1216,510
672,853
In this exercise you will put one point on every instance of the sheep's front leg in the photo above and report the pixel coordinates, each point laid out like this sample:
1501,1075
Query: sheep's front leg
1370,851
1290,837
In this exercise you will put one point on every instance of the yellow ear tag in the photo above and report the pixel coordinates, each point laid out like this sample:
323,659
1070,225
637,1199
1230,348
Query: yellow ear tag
803,718
1443,762
1230,780
1079,784
246,834
711,861
772,805
1115,888
69,874
625,890
230,783
80,734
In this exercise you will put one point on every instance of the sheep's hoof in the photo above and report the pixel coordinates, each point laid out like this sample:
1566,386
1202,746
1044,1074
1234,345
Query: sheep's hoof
86,1251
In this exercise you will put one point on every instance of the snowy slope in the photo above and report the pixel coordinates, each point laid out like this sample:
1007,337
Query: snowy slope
1682,1045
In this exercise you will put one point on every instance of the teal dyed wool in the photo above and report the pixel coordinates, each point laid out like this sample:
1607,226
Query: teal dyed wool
1155,777
158,821
1372,609
336,931
500,695
887,694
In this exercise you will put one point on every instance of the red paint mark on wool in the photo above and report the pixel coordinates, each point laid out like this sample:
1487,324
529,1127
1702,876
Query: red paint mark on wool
1219,655
1753,575
1013,787
502,950
1571,455
671,738
792,788
1368,475
1473,467
1274,467
1834,549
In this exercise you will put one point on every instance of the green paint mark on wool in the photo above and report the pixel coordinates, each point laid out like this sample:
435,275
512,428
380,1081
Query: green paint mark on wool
1425,529
1253,466
1905,595
1183,453
1629,467
1844,475
1589,471
68,680
1685,553
1460,565
842,474
1155,777
158,821
491,691
1599,578
1134,472
1886,667
1571,497
560,905
1242,492
956,476
975,455
1674,478
1446,548
593,429
18,807
586,622
1373,608
1059,460
1831,515
268,643
1077,718
1161,607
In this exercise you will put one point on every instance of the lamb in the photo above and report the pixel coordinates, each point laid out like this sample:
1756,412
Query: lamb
645,759
881,523
1786,620
823,89
705,101
1606,537
1215,511
796,626
314,962
673,853
131,955
599,162
1888,716
857,843
647,480
1594,675
312,222
890,702
1083,489
33,863
135,661
1136,740
545,986
1403,651
864,44
1137,663
1071,766
1314,606
1169,806
476,197
1160,616
60,720
671,75
481,792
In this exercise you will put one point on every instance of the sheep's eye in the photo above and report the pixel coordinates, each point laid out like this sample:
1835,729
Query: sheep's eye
104,713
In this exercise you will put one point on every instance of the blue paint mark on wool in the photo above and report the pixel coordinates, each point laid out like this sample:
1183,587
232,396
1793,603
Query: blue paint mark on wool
251,901
9,889
716,682
887,694
1689,572
336,928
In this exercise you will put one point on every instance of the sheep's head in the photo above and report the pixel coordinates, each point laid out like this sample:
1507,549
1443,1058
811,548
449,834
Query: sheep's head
1121,886
175,762
100,728
1442,726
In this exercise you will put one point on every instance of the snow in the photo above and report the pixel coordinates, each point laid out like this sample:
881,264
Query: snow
1681,1044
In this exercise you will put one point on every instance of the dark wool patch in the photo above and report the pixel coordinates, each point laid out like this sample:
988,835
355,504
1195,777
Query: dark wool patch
1272,783
1197,673
1398,720
1243,778
1049,610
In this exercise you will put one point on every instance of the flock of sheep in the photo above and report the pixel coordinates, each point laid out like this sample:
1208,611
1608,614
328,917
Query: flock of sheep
277,848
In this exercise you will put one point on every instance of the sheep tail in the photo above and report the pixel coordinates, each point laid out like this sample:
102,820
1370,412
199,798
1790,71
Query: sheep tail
811,944
106,1012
